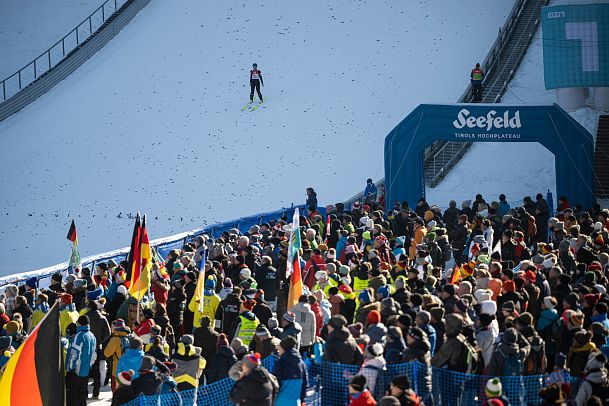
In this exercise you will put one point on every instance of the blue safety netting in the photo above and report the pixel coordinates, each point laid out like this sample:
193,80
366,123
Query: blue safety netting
328,386
242,224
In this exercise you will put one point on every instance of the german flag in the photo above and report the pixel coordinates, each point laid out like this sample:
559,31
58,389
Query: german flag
140,281
72,233
133,259
34,375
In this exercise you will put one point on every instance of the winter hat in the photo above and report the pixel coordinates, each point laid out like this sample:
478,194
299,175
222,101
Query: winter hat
262,332
355,329
384,291
402,382
252,360
394,333
358,382
365,297
510,335
549,302
221,341
187,339
66,299
388,303
331,268
374,317
343,270
576,319
509,286
596,360
210,283
124,378
289,317
486,319
488,307
319,275
245,273
600,289
247,305
449,288
191,275
549,262
482,294
94,294
288,343
405,320
493,388
147,363
591,299
374,350
598,226
525,319
530,275
228,283
56,277
344,288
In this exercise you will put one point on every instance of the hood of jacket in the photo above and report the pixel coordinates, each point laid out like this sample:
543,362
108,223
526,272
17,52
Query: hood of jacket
301,307
291,357
508,349
377,362
340,334
454,325
226,352
257,375
597,376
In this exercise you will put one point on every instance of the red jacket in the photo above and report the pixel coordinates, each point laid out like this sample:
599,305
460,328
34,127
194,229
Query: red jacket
319,318
365,398
309,271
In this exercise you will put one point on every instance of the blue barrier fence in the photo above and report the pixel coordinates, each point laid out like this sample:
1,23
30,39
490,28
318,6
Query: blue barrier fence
328,387
163,246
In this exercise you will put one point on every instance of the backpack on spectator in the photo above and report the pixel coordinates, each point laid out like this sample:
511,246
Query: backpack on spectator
536,362
471,357
512,365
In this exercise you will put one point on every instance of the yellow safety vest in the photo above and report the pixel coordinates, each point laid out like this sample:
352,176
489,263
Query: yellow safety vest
247,329
359,285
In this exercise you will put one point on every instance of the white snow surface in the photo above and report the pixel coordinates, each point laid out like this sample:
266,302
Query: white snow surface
30,27
152,122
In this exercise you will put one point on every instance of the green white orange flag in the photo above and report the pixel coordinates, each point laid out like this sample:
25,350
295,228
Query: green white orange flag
34,375
293,264
140,277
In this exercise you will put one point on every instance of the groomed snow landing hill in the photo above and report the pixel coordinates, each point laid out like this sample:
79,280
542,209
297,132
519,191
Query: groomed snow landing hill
153,122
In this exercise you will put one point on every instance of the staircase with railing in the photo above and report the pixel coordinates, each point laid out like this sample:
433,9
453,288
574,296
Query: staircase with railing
66,55
601,158
499,66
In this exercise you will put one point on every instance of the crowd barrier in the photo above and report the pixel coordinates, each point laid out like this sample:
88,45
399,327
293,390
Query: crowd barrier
328,386
163,245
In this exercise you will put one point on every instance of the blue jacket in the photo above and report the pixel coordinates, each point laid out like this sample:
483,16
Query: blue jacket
431,335
601,318
546,318
504,207
81,352
132,359
291,373
340,246
370,190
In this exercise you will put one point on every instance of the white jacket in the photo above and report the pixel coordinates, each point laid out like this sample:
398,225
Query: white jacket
306,318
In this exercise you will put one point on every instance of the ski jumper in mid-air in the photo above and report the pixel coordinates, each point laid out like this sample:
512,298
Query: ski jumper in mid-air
255,82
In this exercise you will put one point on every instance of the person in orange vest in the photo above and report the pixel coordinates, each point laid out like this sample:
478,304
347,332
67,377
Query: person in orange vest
477,76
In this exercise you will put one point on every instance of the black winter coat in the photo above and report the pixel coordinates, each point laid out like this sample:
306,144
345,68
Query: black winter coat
206,338
254,389
122,395
218,367
342,348
228,310
147,383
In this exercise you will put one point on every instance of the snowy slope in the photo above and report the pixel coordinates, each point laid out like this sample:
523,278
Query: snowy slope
153,121
30,27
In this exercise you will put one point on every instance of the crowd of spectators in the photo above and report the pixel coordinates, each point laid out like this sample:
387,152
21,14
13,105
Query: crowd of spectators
482,289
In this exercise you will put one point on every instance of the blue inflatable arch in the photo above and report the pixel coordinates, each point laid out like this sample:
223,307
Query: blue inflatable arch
571,144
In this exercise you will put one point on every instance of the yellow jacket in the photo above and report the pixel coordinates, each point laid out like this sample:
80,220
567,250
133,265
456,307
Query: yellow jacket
210,305
67,316
114,348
